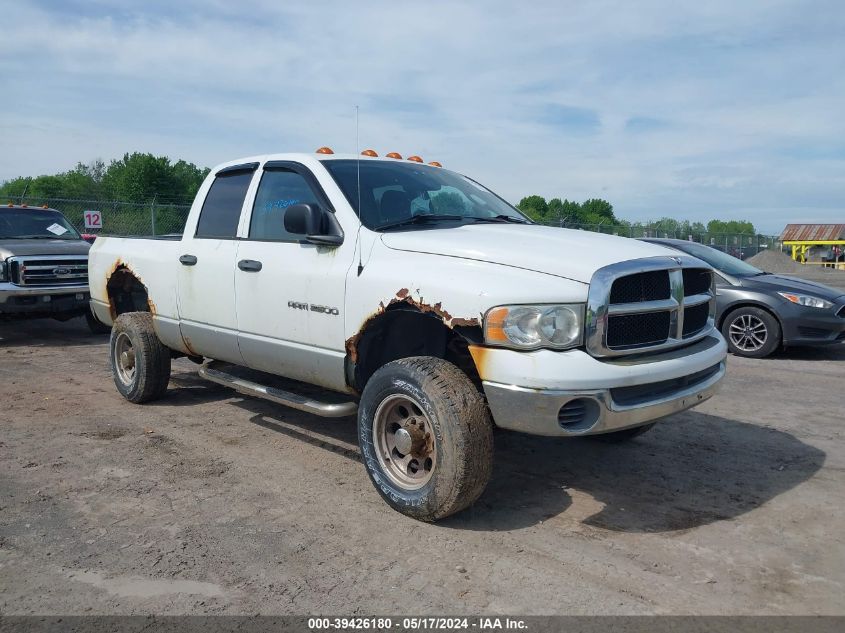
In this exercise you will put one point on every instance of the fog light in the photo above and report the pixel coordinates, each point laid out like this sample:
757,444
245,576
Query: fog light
79,296
578,415
46,298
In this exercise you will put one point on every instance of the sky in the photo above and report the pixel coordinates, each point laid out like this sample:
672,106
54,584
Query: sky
691,110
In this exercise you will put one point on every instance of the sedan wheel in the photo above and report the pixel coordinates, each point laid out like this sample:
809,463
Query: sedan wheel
748,333
751,332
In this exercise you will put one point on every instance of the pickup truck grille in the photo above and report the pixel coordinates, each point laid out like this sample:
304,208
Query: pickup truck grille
648,305
46,270
626,330
650,286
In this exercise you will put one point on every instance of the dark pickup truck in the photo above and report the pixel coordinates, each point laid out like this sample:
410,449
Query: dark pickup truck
43,266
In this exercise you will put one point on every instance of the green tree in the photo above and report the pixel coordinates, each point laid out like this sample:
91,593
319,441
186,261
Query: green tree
136,177
598,211
448,203
535,207
554,210
730,226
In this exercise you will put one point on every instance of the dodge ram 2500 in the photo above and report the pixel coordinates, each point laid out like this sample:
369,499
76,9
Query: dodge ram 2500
417,299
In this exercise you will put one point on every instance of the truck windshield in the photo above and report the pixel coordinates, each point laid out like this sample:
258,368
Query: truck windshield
22,224
414,196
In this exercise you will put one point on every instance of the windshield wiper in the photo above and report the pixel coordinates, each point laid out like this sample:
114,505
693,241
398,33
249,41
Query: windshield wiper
502,217
424,218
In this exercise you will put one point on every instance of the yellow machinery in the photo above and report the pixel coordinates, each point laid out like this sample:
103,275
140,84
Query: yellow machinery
802,238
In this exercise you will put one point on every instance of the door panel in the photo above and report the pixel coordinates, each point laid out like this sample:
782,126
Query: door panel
290,312
207,300
206,269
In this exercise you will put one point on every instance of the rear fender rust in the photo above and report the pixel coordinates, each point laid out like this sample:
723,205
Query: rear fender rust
124,280
119,277
405,299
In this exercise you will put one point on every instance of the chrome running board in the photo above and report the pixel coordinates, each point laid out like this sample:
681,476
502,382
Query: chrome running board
208,371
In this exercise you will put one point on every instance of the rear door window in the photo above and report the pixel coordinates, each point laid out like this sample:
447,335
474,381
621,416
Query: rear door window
221,210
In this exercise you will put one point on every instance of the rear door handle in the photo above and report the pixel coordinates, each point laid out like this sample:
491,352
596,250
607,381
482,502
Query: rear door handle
249,265
188,260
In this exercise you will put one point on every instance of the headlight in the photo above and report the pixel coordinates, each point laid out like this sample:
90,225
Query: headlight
4,271
532,327
806,300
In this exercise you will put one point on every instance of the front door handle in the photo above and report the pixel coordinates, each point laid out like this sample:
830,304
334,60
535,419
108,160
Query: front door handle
249,265
188,260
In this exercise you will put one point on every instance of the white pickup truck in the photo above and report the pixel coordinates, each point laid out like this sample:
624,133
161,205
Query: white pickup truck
418,299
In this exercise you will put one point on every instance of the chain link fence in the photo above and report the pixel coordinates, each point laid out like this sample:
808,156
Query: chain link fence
114,217
155,218
740,245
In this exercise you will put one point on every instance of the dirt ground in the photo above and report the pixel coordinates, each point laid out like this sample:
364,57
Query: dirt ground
208,503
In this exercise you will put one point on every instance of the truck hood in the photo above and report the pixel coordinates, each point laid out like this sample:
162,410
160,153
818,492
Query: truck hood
12,248
566,253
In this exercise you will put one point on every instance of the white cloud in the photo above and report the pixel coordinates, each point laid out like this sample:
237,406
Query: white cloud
742,95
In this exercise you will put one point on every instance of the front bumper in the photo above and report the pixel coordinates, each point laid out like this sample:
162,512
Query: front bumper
46,301
813,326
572,393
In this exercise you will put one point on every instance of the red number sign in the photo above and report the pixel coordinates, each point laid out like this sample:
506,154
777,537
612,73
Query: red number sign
93,220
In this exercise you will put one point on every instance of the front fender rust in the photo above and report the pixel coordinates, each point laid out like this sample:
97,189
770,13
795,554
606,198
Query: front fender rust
480,356
405,296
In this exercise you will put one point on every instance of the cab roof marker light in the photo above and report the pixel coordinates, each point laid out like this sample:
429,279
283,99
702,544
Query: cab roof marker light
325,150
434,163
369,152
395,155
416,159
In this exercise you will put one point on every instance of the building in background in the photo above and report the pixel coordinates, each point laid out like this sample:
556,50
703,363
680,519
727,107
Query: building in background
822,244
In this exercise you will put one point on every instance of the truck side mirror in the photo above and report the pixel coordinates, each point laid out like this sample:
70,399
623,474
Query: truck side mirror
318,225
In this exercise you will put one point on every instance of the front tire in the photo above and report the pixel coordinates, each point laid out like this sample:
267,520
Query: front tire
426,437
140,363
751,332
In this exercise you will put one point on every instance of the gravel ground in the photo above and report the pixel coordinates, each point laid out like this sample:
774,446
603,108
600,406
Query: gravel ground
207,503
781,263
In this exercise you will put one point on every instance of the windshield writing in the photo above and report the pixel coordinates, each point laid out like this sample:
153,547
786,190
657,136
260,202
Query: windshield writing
392,194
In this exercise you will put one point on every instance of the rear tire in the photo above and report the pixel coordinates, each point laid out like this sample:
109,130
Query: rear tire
426,437
751,332
624,435
140,363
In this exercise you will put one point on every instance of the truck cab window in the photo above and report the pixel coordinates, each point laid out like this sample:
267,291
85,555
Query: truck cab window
278,190
222,207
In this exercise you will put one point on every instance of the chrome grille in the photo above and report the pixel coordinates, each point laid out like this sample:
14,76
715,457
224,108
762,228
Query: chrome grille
635,330
648,305
648,286
695,319
44,270
696,281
